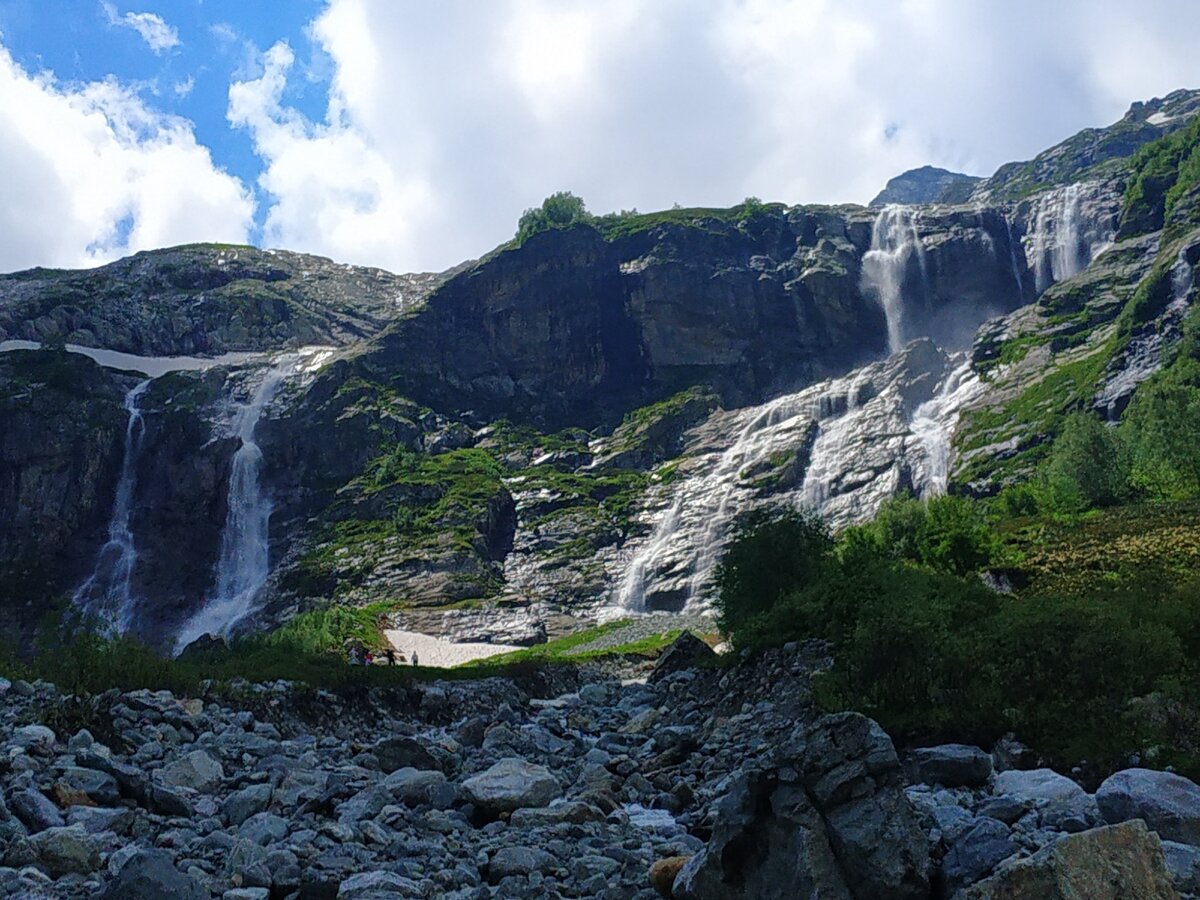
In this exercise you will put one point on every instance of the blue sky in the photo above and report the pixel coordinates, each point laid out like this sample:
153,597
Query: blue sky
219,42
411,135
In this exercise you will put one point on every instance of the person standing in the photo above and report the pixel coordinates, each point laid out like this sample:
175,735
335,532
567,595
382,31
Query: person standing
390,653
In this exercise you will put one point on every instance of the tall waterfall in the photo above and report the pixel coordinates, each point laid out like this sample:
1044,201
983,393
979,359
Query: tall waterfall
1062,240
934,421
1014,261
243,562
894,241
107,594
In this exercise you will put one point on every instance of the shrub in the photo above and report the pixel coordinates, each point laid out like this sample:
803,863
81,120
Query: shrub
772,551
1085,468
560,210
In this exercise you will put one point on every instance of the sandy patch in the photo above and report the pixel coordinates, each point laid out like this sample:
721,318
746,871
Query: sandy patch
439,652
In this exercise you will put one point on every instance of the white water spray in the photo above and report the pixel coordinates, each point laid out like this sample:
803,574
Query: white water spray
107,594
1063,242
894,242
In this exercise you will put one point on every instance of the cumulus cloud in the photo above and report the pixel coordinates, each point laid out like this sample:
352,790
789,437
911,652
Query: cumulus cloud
445,121
92,173
158,35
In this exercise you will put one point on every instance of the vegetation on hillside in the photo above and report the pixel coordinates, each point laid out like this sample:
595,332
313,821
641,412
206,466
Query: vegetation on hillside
1162,173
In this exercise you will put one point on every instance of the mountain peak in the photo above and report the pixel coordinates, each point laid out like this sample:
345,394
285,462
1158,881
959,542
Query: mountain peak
927,184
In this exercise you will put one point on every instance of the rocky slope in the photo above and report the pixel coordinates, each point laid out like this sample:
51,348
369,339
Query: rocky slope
703,782
566,427
926,185
206,299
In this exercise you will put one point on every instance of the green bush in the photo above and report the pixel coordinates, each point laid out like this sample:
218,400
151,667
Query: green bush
947,534
1161,434
560,210
935,656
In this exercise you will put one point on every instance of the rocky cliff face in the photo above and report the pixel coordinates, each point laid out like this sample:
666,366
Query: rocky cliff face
567,426
927,185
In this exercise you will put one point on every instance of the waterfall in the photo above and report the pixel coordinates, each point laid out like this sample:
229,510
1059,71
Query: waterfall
1063,241
243,562
107,595
1013,260
1181,280
692,530
933,424
894,240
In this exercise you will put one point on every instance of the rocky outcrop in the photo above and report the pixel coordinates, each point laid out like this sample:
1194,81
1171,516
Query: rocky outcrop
205,299
927,185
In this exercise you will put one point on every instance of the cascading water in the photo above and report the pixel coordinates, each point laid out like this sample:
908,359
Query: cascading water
933,424
243,562
107,595
1063,241
894,241
1013,259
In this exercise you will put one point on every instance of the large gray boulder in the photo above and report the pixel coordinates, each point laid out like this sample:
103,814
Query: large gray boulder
63,851
1062,803
1183,862
976,851
151,875
512,783
831,820
950,765
34,810
1115,862
686,652
197,770
1169,803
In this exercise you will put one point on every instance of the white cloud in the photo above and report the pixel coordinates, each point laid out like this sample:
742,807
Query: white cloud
445,121
158,35
185,87
92,173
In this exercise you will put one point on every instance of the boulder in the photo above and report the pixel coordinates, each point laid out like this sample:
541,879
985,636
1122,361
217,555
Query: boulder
151,875
686,652
1063,804
831,821
197,770
1115,862
403,753
950,765
412,786
1183,862
568,813
976,852
34,810
376,885
512,783
1169,803
100,787
521,861
63,851
663,873
241,805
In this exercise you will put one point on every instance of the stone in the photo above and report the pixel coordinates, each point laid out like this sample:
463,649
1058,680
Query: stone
254,893
950,765
412,786
100,787
976,852
264,828
510,784
241,805
686,652
523,861
1168,803
570,812
197,770
663,873
1114,862
1183,862
1062,803
34,810
96,821
63,851
33,738
404,752
151,875
372,885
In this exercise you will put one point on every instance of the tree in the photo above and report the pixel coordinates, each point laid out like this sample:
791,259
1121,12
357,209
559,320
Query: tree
560,210
1085,468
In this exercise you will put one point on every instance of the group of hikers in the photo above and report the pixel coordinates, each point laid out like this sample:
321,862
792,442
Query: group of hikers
358,655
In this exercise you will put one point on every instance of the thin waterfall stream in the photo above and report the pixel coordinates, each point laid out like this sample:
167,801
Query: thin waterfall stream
107,594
